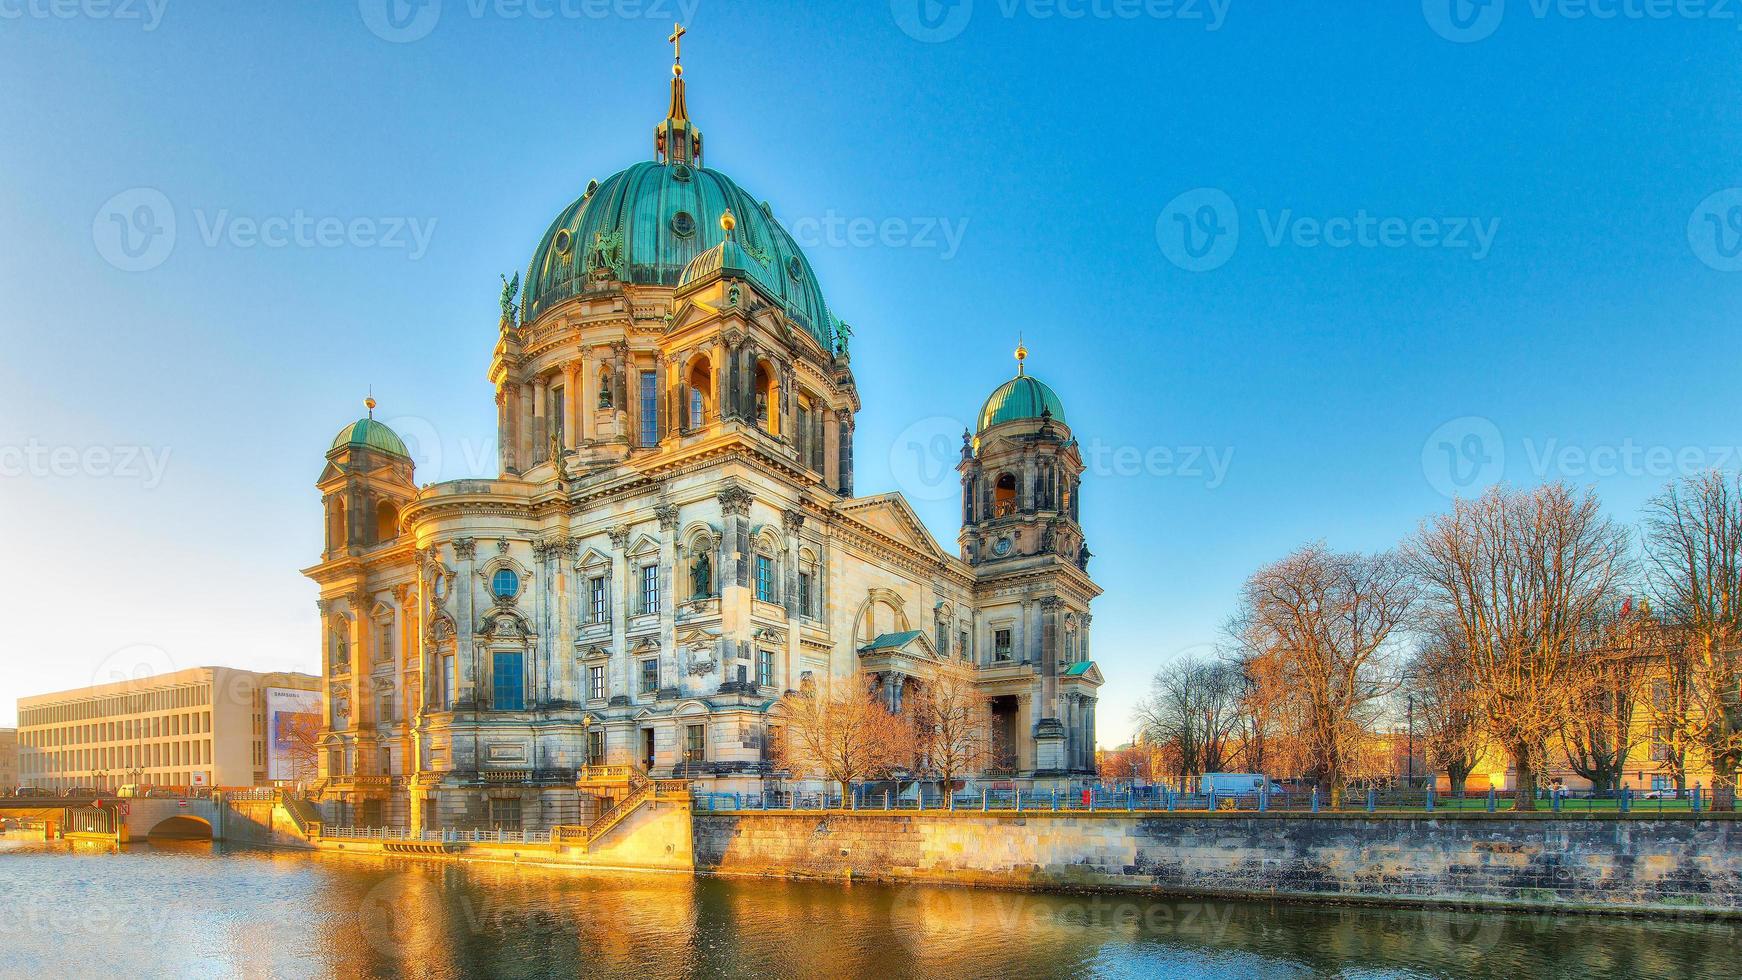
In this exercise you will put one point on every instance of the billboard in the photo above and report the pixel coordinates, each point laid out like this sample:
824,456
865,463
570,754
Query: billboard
293,728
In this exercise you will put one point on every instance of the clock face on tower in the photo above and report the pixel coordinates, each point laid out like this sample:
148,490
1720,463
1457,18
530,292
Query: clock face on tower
1001,547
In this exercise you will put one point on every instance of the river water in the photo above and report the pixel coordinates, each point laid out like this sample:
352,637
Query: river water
199,910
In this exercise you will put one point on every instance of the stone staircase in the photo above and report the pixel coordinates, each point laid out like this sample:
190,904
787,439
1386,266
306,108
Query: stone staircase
626,788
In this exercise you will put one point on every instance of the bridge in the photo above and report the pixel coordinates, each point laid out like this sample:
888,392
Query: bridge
120,820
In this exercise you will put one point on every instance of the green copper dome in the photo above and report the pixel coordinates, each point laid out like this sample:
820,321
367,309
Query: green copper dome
370,434
1022,397
646,224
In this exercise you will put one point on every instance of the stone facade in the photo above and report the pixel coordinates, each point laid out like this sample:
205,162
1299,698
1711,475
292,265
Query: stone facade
675,541
1600,862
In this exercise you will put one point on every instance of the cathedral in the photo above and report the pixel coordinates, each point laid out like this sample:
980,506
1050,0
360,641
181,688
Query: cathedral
674,541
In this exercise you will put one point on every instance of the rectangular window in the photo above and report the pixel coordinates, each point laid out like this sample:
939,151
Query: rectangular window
649,589
765,668
804,594
509,681
505,814
596,683
649,409
601,609
764,578
649,676
1001,645
447,679
556,415
696,413
595,748
695,741
964,648
943,639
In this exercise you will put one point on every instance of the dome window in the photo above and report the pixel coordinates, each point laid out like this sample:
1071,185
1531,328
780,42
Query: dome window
795,269
505,584
563,241
592,186
680,172
683,225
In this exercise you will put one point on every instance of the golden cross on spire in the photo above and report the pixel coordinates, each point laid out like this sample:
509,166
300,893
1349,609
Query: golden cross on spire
676,40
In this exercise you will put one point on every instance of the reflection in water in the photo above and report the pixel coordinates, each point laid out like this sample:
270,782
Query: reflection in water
190,909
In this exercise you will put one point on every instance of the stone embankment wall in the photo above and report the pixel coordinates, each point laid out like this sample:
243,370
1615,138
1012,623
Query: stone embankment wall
1595,861
265,823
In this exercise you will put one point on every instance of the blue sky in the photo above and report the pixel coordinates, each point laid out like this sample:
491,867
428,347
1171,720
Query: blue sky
1496,244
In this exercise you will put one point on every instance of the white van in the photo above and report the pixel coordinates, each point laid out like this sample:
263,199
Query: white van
1236,784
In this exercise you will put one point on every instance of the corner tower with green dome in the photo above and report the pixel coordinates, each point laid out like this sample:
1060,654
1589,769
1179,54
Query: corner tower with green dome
1021,511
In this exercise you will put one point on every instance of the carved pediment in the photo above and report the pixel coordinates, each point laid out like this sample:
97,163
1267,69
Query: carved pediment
892,515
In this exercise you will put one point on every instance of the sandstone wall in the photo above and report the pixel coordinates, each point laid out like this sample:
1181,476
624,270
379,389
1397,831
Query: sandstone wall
1600,860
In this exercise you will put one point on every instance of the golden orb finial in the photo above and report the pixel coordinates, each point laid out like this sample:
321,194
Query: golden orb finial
369,403
728,222
1021,355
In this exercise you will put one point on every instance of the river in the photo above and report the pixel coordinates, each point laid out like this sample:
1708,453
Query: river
204,910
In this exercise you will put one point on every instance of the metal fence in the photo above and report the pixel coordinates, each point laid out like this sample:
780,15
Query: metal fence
1159,799
400,834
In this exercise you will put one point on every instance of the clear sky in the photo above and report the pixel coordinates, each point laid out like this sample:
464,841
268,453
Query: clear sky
1472,241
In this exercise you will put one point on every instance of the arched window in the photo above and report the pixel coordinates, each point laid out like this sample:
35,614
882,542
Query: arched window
386,521
336,525
700,387
1004,495
767,399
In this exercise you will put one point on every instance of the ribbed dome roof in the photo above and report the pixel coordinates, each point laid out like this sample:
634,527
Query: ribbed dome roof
371,434
1022,397
647,223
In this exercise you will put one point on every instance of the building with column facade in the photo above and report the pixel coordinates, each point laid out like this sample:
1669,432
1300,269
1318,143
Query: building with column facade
675,539
205,726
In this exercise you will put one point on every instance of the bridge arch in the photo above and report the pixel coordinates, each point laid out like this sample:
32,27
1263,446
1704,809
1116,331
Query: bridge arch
183,826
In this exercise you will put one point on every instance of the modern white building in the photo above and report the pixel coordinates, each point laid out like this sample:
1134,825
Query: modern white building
206,726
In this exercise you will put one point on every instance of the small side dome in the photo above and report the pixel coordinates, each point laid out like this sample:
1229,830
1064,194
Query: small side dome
1022,398
370,434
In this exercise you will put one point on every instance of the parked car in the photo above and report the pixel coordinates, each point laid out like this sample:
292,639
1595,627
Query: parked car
1238,784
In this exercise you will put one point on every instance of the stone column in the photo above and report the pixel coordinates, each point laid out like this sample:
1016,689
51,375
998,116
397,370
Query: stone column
617,586
504,430
792,522
466,679
831,450
572,413
1024,733
670,671
540,424
1050,640
846,446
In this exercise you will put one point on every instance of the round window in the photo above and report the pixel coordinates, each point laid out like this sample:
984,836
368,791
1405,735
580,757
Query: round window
505,584
795,269
680,172
563,241
683,225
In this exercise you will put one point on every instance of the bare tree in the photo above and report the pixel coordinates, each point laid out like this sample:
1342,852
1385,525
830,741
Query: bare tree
1192,711
1600,733
952,727
843,736
1444,693
1319,626
299,738
1520,574
1694,549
